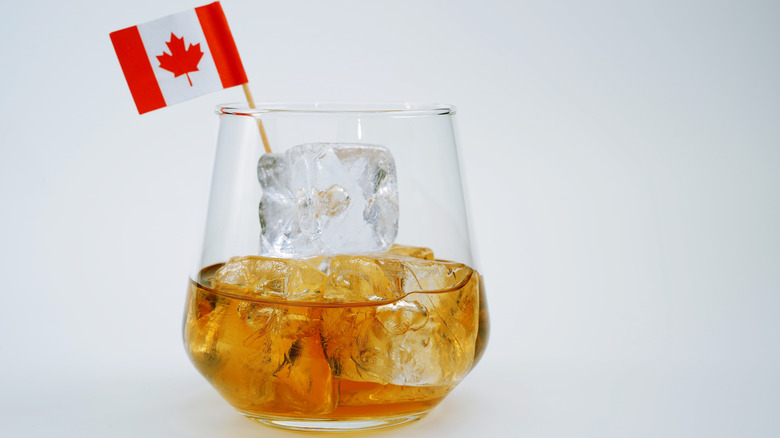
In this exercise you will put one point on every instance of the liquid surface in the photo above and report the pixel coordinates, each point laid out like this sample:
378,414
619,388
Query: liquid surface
344,337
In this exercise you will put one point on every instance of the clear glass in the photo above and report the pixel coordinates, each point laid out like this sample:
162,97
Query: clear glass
353,341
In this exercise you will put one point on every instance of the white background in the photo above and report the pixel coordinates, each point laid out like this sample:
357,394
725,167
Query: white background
621,159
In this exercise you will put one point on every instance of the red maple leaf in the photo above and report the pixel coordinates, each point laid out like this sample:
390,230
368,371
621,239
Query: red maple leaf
180,61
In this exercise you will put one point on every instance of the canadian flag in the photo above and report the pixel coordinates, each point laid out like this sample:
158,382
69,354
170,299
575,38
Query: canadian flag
178,57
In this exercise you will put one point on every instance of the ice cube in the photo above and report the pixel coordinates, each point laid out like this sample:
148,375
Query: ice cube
401,316
263,277
356,279
276,359
305,382
425,338
412,251
327,198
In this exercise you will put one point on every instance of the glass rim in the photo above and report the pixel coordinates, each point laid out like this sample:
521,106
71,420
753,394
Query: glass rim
337,107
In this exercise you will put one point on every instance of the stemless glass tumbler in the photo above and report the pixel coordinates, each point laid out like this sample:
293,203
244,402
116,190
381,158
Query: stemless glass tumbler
336,289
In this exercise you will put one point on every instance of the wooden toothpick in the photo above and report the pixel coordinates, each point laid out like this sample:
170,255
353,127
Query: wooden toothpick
259,122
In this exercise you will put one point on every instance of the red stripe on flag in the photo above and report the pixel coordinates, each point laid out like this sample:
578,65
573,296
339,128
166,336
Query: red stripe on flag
138,71
220,41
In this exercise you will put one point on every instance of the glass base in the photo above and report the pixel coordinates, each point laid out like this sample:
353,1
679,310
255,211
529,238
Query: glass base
331,425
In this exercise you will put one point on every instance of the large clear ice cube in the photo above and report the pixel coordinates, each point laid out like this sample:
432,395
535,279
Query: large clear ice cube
327,198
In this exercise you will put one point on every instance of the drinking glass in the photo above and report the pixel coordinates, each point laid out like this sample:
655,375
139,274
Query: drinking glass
337,341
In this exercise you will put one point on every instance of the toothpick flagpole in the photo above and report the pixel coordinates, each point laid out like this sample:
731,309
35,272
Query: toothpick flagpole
259,122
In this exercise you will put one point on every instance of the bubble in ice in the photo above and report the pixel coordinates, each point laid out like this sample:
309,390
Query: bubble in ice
327,198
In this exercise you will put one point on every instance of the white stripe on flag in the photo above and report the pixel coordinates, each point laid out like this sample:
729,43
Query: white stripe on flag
155,35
